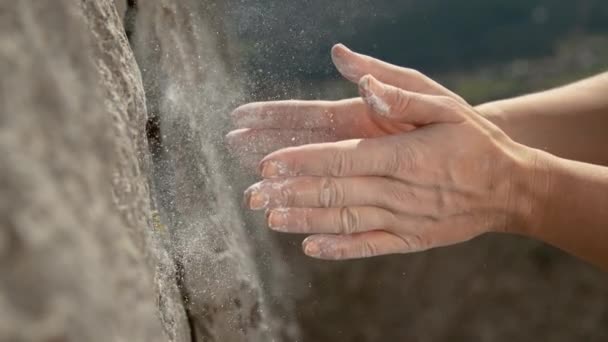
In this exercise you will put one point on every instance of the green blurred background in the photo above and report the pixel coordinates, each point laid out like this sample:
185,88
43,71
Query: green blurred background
483,49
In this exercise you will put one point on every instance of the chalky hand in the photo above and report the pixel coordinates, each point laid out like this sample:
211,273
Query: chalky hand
453,178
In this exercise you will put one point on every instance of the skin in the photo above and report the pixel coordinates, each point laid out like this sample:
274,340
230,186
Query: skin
411,166
569,121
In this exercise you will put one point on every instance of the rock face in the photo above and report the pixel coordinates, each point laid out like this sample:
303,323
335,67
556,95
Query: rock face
185,61
79,259
97,243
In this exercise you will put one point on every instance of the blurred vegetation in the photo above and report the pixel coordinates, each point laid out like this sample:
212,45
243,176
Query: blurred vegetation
575,58
440,35
484,49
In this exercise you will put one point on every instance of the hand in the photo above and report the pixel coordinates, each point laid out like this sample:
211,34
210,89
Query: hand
266,127
455,177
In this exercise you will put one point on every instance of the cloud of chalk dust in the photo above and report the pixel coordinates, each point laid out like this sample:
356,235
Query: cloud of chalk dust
199,60
187,58
287,43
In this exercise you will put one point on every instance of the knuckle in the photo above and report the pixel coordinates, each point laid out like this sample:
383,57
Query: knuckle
340,164
401,194
415,243
440,203
287,197
394,162
404,159
369,249
447,101
331,193
308,222
349,221
341,253
402,100
449,104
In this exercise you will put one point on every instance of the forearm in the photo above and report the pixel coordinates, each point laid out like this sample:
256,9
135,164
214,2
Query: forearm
570,207
570,122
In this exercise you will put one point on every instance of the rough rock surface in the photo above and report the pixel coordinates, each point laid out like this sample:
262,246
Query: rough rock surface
121,7
185,61
79,260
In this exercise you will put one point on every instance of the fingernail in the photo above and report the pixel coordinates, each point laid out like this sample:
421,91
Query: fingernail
340,50
312,249
277,220
348,67
273,169
256,198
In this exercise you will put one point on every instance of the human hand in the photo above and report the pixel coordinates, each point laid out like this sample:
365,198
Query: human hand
266,127
455,177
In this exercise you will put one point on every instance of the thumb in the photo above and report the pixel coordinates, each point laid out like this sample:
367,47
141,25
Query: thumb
354,65
407,107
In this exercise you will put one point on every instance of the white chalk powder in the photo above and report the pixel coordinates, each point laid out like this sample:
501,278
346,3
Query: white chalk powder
378,104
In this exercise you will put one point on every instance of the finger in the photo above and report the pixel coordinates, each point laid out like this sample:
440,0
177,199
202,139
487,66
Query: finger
408,107
286,114
328,192
359,157
346,118
346,220
263,141
353,246
353,66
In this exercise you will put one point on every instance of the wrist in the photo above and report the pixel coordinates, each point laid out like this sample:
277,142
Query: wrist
531,191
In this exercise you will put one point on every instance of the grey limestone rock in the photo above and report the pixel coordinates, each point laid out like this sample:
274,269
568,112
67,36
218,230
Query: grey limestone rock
186,63
79,256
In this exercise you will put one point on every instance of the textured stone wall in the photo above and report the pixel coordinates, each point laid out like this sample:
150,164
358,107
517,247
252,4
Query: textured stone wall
100,239
79,257
185,58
